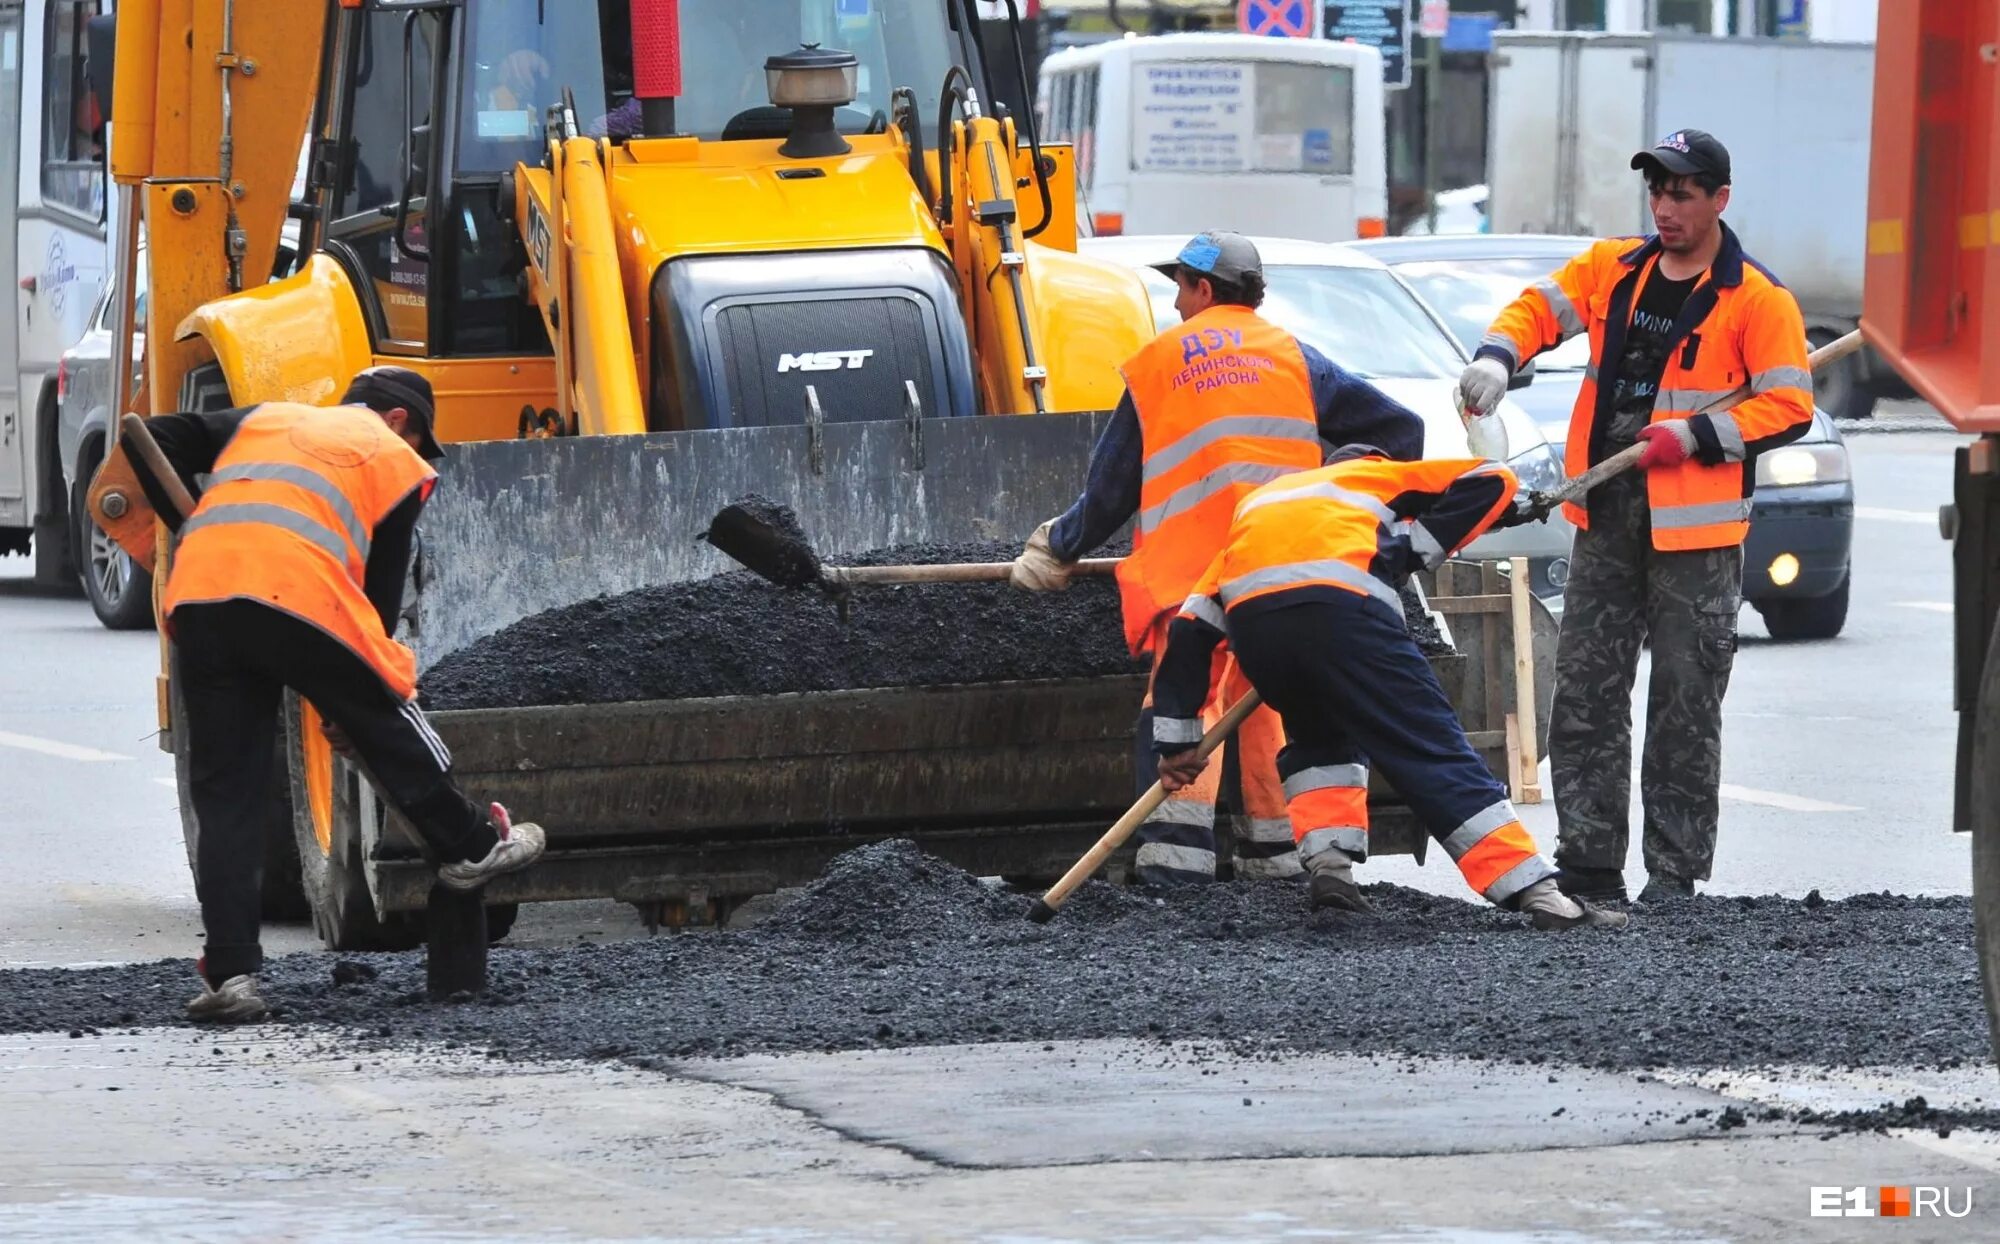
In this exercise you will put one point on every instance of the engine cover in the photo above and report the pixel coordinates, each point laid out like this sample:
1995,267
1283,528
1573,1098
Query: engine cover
738,339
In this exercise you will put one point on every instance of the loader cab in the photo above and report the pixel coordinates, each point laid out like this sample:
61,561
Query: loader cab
426,107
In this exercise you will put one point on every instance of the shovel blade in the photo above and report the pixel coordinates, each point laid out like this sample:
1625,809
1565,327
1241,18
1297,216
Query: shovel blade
765,538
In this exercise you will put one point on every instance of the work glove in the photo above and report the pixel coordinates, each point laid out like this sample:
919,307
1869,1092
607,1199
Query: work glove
1527,507
1038,569
1482,386
1668,443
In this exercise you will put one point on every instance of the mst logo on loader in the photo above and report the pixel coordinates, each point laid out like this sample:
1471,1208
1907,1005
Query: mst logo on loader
824,360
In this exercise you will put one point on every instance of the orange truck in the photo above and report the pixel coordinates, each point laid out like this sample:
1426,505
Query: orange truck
1931,307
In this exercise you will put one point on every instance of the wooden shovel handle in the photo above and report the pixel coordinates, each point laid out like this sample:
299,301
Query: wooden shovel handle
133,429
1115,837
1622,461
951,572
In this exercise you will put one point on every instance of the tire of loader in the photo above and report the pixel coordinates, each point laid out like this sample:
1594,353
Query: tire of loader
284,896
328,803
1985,819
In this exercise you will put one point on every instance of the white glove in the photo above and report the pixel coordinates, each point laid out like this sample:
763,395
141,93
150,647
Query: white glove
1038,569
1482,386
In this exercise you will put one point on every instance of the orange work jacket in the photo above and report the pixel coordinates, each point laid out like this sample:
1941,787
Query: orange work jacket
286,521
1225,404
1739,328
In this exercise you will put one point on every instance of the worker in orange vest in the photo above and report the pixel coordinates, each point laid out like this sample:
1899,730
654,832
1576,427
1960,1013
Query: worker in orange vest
290,574
1676,322
1213,406
1307,591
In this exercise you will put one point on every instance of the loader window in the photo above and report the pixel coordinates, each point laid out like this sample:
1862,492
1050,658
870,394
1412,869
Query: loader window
73,142
523,54
379,162
725,42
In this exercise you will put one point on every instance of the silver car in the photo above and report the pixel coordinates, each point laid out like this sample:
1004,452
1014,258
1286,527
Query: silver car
120,592
1363,317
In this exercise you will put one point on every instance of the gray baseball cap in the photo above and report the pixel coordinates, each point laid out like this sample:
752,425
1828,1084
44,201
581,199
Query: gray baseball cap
1224,256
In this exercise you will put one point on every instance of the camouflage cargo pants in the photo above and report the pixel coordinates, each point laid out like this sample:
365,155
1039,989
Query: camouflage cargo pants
1620,592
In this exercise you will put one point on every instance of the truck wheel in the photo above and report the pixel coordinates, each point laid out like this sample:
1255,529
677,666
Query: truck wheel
1985,816
120,590
1839,389
284,902
1813,617
327,806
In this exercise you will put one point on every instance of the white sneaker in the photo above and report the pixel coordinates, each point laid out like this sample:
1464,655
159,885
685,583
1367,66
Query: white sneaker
1550,909
237,1002
519,846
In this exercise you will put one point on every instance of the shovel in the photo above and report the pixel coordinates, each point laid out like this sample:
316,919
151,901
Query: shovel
1541,504
1049,904
766,539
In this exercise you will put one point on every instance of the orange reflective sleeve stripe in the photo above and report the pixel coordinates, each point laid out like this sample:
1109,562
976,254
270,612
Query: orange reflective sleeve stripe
1492,863
1780,381
1548,312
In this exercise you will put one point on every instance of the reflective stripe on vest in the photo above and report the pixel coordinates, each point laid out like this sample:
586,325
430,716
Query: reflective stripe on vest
308,479
1329,492
1702,514
225,513
1282,427
1304,574
1193,494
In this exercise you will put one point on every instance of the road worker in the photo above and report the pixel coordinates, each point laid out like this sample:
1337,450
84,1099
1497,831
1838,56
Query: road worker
290,574
1307,590
1676,321
1213,406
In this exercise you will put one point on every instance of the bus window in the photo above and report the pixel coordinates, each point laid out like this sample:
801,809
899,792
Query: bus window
1305,119
73,150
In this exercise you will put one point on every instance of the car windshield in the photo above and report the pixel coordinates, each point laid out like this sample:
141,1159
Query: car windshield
526,52
1468,293
1361,318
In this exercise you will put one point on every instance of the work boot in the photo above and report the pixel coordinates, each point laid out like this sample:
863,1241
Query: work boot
1548,908
1332,883
519,846
237,1002
1666,890
1592,885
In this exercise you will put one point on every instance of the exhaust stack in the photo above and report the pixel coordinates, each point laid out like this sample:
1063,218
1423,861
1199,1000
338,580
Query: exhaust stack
656,64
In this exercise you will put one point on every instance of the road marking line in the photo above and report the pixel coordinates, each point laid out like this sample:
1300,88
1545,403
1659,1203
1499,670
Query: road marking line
1778,799
1887,515
1928,606
49,747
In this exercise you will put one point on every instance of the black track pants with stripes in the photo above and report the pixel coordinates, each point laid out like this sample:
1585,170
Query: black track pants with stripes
236,660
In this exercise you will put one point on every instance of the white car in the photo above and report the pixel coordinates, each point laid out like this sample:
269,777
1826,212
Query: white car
1358,313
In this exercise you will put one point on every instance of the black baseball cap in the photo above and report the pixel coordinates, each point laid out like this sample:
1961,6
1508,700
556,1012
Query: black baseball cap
1687,152
383,389
1225,256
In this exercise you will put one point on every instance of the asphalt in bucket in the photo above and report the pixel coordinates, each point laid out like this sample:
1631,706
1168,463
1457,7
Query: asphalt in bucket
738,634
892,948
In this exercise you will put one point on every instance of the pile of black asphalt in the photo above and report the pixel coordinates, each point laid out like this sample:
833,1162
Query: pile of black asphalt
892,948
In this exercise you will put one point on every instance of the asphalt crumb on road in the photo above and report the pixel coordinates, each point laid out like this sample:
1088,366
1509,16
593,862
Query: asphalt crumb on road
894,948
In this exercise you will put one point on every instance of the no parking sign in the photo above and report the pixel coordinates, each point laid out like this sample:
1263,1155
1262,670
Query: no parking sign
1283,19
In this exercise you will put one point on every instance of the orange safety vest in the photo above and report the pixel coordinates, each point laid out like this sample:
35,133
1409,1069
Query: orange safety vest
1325,528
286,520
1225,404
1740,327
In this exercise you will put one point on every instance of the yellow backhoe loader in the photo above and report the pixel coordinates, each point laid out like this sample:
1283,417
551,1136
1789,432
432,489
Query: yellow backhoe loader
651,256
